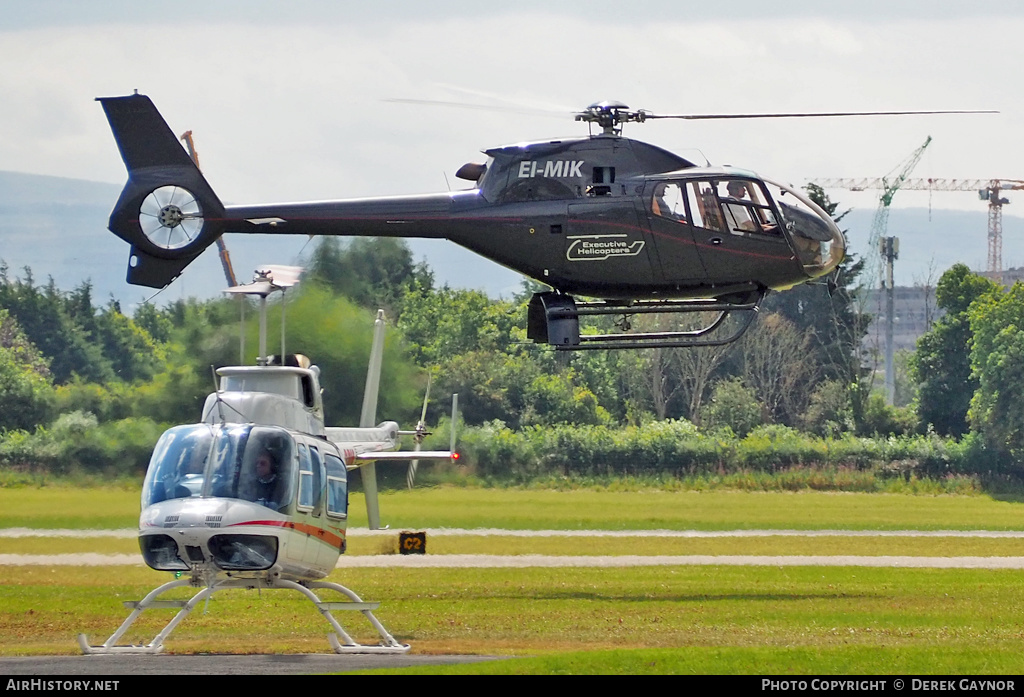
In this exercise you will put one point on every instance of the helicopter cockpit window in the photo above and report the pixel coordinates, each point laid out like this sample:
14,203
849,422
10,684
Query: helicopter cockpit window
736,206
667,202
817,240
265,476
177,467
704,210
252,463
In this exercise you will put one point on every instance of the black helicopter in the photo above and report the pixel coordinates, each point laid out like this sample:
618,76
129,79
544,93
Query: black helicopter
632,225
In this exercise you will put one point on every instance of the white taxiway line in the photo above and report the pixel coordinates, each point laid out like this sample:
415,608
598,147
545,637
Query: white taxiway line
494,532
495,561
487,561
538,560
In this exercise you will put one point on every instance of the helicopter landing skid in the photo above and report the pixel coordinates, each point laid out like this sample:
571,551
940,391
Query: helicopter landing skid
339,639
554,319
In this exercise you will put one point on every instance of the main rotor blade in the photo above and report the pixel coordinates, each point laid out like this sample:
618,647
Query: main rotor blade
483,107
698,117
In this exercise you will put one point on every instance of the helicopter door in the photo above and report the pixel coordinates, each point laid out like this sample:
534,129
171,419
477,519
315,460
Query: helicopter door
303,503
319,496
604,244
736,232
673,233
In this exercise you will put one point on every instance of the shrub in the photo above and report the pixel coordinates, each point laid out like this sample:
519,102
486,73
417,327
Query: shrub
733,405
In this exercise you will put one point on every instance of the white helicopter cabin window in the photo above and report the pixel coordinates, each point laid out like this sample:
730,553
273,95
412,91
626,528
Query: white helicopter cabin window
736,206
252,463
310,490
337,486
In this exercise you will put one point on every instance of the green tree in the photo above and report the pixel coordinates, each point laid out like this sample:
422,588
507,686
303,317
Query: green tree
132,352
516,390
441,324
828,315
828,410
941,365
44,314
26,395
336,336
997,362
154,321
780,366
202,335
23,350
374,272
734,405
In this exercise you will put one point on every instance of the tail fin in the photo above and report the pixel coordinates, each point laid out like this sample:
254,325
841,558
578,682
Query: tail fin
167,211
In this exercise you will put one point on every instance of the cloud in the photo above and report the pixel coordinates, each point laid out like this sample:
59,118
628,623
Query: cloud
292,109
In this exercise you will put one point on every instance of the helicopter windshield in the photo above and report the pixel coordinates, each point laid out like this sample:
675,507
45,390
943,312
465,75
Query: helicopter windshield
818,241
252,463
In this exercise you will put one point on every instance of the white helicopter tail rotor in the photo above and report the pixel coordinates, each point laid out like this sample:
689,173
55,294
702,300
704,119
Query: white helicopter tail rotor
418,436
421,432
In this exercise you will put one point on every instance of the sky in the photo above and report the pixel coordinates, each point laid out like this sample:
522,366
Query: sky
289,101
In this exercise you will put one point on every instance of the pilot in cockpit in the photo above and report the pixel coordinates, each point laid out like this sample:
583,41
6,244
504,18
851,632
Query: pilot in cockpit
667,202
739,216
266,480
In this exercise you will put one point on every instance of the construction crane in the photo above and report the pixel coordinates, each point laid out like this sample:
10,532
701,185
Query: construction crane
888,247
222,249
889,185
988,190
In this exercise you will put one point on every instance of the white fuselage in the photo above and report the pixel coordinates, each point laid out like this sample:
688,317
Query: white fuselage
259,488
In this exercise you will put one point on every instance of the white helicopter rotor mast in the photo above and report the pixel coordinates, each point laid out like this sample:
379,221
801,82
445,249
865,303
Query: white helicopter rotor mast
266,281
262,286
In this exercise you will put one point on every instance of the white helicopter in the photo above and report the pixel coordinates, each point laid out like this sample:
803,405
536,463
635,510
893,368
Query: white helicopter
255,496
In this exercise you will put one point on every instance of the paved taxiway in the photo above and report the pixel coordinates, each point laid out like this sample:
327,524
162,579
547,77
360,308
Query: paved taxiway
215,664
526,560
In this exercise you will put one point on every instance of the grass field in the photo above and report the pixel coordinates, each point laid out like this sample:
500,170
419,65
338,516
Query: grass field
683,619
518,509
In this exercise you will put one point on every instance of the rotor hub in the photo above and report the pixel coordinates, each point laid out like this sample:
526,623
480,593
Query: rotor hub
170,216
610,116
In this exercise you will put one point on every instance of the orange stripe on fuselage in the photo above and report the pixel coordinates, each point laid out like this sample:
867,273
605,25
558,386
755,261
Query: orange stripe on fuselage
326,536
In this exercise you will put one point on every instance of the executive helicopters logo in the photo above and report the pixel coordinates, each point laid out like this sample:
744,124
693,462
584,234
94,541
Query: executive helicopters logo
551,168
601,247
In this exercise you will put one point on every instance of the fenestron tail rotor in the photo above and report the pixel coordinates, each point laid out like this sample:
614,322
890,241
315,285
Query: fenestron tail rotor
171,217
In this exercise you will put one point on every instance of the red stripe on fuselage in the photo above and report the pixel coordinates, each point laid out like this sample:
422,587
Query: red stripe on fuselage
326,536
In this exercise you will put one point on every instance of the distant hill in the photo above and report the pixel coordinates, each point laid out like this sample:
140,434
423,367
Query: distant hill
57,227
932,241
